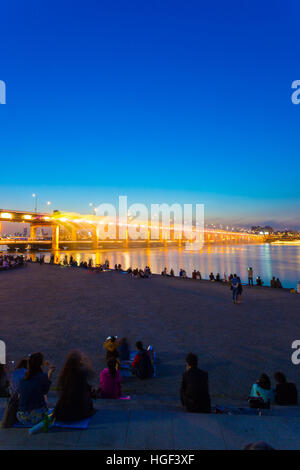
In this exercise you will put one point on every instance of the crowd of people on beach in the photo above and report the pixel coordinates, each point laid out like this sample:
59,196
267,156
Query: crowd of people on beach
11,261
234,281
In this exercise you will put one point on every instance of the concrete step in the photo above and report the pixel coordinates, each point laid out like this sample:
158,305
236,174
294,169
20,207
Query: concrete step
170,403
156,429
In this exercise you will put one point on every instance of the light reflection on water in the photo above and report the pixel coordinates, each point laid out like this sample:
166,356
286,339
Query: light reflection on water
266,260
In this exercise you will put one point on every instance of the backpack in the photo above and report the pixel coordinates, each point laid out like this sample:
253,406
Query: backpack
144,369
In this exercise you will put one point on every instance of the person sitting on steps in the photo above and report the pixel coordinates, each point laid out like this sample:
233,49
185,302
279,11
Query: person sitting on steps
110,381
194,392
262,392
142,365
74,389
285,392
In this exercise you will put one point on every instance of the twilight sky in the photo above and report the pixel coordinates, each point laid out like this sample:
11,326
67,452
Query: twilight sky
161,100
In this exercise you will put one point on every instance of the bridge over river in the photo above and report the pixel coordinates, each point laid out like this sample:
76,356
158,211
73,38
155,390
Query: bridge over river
90,231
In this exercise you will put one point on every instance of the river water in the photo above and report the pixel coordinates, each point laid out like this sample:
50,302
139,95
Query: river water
266,260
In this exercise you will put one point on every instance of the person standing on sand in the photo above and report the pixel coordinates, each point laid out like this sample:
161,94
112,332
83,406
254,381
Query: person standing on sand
234,285
239,292
250,276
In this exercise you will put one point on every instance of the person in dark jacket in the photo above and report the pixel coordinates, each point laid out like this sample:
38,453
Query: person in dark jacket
4,382
285,392
194,387
75,402
239,292
142,365
123,350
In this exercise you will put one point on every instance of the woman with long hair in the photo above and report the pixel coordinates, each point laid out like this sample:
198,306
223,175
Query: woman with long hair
262,389
32,391
74,389
110,380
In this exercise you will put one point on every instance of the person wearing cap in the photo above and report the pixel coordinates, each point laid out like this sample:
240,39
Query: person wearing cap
111,345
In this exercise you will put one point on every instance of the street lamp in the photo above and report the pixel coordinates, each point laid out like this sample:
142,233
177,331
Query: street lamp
35,201
94,210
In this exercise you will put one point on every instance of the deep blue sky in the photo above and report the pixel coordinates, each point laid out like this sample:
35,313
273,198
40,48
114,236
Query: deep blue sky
162,100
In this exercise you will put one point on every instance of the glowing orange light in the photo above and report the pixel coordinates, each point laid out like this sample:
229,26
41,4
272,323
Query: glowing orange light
6,215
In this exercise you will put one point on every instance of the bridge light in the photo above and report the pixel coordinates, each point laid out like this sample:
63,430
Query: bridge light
6,215
63,219
46,218
27,217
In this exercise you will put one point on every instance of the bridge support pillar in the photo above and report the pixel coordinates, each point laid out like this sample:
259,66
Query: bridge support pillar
33,230
95,239
55,237
74,234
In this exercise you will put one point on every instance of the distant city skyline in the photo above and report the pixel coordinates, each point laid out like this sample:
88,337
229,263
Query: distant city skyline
171,101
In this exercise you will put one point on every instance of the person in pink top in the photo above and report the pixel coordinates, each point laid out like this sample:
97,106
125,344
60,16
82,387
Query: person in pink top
110,380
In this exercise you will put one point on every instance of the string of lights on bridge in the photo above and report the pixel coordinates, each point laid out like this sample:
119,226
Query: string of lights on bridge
63,219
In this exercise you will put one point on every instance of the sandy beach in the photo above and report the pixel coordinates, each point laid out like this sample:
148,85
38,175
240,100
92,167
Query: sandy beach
54,309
